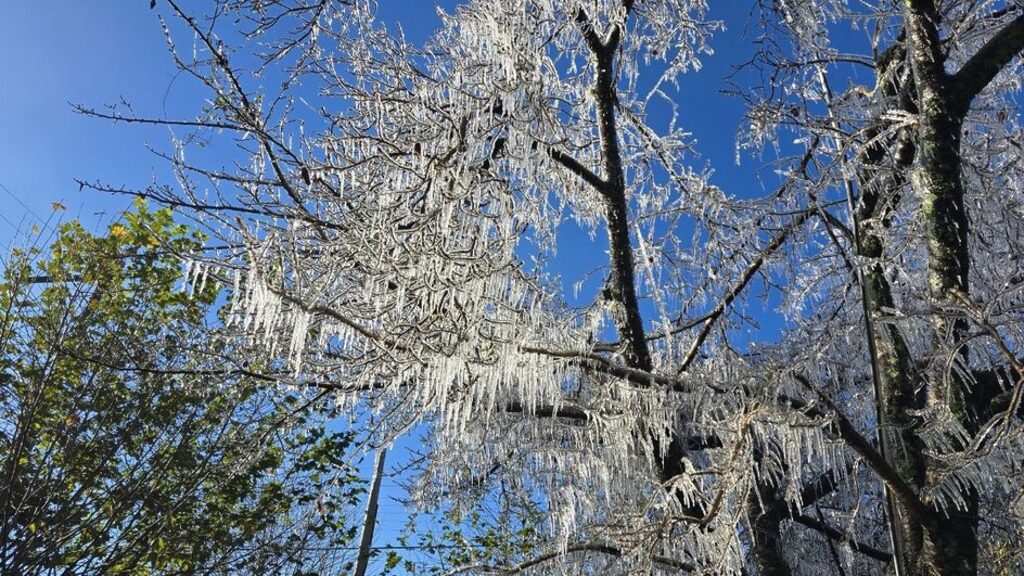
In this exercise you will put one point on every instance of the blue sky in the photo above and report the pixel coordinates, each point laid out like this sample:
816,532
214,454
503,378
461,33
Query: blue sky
98,52
94,53
90,52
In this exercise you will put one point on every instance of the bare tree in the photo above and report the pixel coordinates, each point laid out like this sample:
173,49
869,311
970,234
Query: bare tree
394,233
919,156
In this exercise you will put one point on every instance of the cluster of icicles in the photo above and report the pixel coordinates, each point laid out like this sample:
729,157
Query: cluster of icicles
491,400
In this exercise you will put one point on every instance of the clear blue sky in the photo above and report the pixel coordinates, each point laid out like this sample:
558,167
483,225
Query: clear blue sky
54,53
95,52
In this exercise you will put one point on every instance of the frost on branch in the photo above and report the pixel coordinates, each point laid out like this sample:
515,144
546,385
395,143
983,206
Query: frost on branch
398,252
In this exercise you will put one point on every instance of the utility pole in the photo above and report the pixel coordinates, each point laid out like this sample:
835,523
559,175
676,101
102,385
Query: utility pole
371,515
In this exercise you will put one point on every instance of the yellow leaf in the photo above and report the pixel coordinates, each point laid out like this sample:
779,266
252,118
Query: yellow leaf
117,230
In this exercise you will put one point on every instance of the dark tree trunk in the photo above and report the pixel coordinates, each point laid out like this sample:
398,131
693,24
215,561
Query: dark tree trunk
881,180
767,511
950,544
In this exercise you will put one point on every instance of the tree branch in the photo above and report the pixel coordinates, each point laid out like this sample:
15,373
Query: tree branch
741,282
587,29
835,534
818,488
859,444
622,285
574,166
567,412
599,547
986,63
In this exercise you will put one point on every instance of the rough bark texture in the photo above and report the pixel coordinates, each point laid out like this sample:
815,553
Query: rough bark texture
881,179
950,544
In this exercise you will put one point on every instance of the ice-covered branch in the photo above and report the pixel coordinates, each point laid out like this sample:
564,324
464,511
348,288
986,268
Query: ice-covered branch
987,62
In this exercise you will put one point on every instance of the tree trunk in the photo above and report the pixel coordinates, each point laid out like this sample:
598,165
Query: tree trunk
767,511
950,544
881,179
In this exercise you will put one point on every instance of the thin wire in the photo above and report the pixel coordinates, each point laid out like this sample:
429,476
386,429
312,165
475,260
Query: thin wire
17,229
22,202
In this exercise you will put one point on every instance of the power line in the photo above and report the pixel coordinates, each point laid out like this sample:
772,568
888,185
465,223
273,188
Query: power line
8,220
43,223
20,201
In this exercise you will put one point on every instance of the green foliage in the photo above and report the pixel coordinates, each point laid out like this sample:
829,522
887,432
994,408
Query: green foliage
480,537
127,444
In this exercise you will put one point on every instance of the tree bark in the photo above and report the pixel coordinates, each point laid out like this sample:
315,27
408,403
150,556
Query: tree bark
950,544
767,511
881,178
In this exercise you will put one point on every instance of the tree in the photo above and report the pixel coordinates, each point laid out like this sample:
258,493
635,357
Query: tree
940,344
128,445
399,244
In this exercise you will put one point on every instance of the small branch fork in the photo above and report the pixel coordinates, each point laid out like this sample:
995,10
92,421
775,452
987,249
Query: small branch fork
859,444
